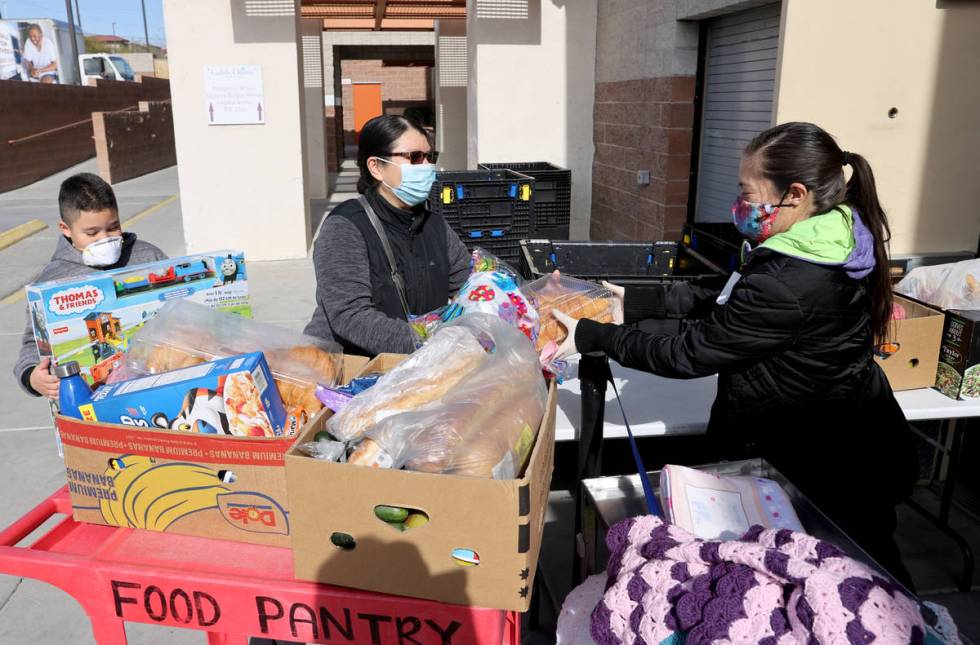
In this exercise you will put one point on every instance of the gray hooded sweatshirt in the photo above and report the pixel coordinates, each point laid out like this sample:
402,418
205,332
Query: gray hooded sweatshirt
66,262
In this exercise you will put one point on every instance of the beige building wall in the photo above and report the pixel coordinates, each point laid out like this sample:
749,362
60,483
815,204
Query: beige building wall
532,89
450,93
845,64
313,103
241,186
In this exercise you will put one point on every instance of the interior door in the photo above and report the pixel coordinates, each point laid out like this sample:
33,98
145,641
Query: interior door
367,104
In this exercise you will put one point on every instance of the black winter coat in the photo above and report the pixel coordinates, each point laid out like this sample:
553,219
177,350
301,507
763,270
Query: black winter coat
797,383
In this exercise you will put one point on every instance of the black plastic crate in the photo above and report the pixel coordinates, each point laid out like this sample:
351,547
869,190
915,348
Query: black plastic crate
633,264
552,195
492,209
720,243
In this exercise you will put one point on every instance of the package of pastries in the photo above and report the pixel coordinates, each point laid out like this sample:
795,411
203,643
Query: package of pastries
484,426
577,298
184,333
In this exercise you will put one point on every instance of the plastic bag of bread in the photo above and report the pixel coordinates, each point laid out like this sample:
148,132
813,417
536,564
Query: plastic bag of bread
483,426
453,355
577,298
184,333
948,286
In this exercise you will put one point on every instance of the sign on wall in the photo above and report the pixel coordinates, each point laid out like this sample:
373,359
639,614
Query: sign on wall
233,94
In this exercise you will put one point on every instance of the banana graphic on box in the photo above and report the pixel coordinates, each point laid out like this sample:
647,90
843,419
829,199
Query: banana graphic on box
154,496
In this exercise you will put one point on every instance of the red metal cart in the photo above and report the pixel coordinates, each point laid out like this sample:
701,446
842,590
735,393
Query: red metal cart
229,590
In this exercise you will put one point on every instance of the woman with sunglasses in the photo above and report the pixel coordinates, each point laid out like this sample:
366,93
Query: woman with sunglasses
384,256
792,338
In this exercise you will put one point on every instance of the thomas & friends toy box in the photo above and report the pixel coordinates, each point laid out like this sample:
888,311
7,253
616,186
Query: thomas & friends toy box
229,396
90,319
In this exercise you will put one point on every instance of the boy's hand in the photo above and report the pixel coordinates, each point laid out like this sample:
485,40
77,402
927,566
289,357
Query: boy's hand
43,382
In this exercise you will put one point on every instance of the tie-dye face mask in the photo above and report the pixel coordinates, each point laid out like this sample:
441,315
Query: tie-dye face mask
754,220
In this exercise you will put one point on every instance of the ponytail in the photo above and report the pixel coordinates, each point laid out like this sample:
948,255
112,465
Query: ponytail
862,194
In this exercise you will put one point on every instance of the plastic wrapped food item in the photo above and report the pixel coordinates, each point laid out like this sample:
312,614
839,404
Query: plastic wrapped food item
337,398
324,450
484,426
948,286
184,333
453,355
495,293
483,260
493,288
577,298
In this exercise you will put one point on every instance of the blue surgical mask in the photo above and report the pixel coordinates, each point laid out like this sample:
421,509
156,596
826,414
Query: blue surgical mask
417,180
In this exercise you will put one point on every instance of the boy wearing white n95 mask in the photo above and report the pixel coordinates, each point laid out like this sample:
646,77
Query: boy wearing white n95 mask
92,240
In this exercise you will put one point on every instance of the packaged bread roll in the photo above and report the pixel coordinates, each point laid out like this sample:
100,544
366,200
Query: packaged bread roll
185,333
577,298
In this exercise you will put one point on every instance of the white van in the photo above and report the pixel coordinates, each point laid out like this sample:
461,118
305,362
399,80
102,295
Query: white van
105,66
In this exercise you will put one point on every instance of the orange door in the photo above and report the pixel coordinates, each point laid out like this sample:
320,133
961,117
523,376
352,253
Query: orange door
367,104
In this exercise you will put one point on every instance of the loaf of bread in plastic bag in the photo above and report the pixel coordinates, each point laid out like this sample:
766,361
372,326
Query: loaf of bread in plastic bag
483,426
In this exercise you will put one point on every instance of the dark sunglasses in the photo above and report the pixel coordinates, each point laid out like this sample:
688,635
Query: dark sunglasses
417,156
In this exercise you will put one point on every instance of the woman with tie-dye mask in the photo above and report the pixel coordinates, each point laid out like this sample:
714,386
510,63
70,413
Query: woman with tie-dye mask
793,335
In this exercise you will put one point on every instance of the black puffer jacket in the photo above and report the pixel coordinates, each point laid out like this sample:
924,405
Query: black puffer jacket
797,381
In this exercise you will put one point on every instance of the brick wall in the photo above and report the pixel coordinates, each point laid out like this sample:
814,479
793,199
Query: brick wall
401,87
131,144
642,125
33,108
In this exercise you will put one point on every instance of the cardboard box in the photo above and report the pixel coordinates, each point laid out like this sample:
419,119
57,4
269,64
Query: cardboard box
918,338
500,520
204,398
90,319
225,487
959,358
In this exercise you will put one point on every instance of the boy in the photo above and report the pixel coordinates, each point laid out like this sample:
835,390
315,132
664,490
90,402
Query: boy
92,240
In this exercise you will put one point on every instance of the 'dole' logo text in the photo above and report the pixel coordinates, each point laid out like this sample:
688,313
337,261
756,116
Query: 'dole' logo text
253,512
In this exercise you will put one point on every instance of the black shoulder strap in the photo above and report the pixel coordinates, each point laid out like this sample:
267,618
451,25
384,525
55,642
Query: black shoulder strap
396,275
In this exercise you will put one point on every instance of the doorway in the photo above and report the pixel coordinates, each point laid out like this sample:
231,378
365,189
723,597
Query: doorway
367,104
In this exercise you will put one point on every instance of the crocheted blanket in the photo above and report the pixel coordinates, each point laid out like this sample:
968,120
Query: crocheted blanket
772,587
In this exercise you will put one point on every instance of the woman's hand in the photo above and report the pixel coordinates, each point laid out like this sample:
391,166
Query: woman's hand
567,348
619,294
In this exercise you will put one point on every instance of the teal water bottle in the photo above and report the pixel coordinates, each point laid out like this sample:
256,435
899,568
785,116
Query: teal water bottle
73,390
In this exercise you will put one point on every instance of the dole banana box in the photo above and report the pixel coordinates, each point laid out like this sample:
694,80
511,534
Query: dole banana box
90,319
210,485
235,395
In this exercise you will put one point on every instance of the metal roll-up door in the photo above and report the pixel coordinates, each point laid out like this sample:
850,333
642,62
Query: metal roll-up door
739,83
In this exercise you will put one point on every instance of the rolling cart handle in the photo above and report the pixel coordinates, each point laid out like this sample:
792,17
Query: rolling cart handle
31,520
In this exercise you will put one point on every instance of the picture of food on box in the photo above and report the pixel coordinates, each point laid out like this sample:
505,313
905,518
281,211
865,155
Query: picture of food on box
184,334
231,396
467,403
91,319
